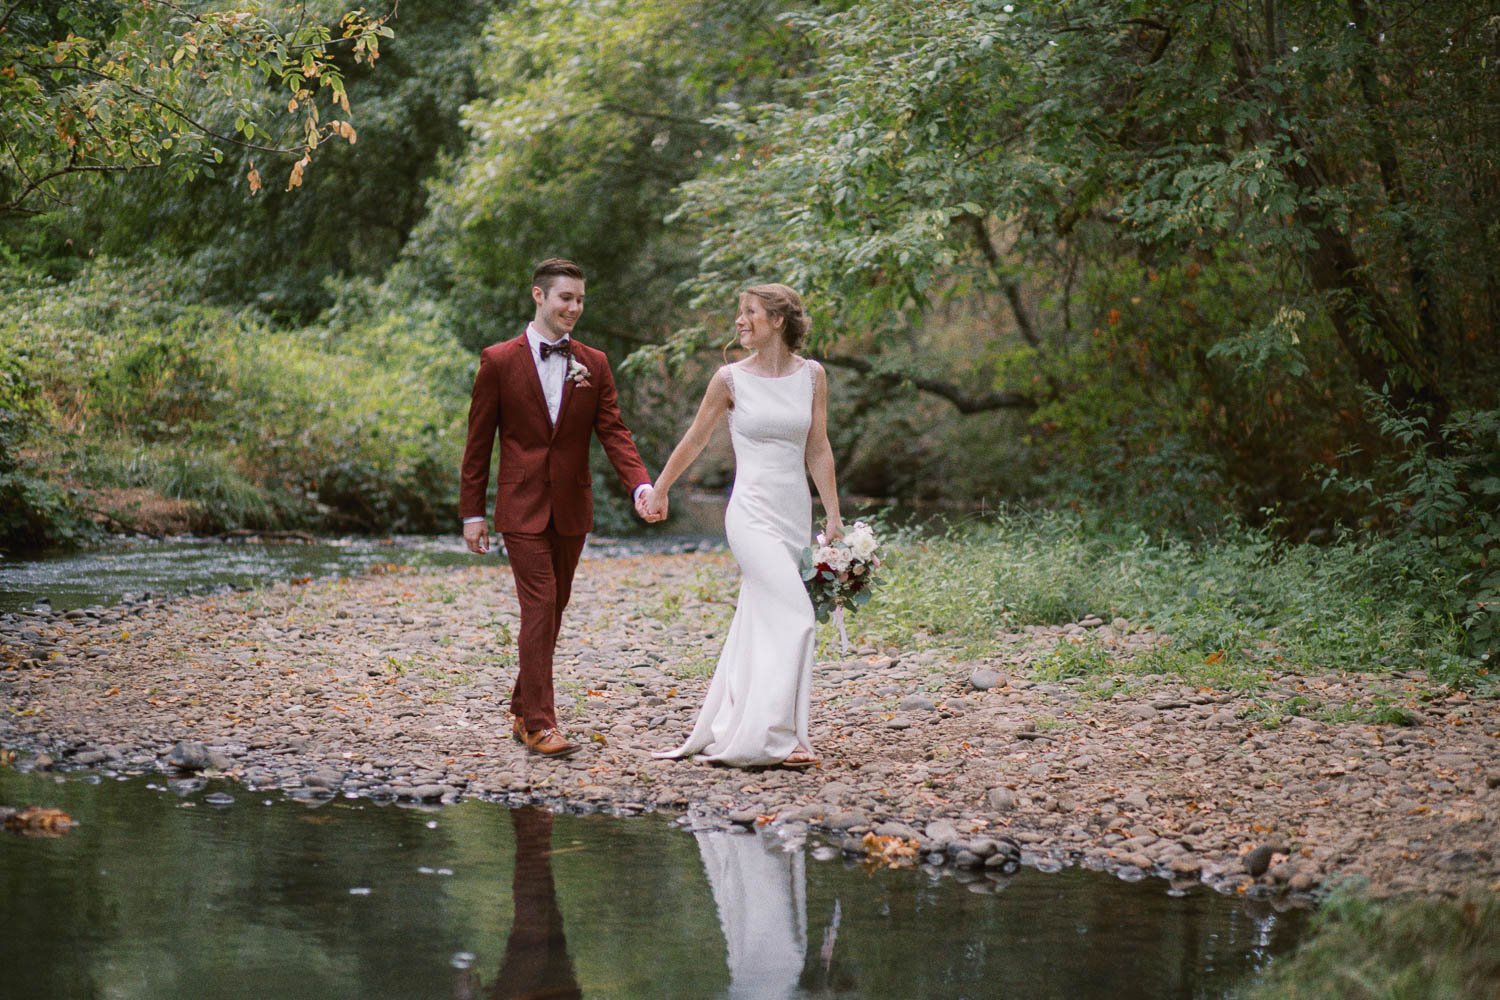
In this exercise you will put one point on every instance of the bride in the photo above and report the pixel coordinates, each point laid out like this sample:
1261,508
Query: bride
777,403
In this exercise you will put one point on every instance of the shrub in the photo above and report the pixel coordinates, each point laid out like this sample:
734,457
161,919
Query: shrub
1419,947
34,512
354,423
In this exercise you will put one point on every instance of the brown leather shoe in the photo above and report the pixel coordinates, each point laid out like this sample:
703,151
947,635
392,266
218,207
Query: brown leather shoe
549,743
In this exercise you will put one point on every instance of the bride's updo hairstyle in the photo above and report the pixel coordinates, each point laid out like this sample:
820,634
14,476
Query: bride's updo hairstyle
783,301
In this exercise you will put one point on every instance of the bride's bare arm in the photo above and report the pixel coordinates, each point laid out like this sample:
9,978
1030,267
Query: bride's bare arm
716,402
820,455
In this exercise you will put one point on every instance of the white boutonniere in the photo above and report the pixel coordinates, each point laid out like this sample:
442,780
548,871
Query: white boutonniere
578,372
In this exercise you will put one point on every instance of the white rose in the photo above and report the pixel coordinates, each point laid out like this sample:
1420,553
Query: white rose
861,541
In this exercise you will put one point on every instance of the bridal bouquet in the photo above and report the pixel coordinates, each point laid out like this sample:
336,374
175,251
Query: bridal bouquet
840,574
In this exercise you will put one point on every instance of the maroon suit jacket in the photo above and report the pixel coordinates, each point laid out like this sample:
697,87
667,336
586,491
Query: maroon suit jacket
544,470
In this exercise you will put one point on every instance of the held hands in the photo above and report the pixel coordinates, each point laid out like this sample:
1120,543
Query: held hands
477,536
652,505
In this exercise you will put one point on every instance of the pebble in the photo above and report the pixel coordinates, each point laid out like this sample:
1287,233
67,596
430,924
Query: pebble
1185,866
852,820
941,832
189,756
324,777
1001,799
983,679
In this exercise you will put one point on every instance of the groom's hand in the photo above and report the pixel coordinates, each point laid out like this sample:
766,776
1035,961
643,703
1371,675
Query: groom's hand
477,536
651,505
656,506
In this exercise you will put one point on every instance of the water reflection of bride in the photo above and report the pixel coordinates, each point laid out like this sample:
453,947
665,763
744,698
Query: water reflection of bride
761,895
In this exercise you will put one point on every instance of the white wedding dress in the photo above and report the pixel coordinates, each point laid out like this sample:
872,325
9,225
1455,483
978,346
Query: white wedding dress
757,705
761,895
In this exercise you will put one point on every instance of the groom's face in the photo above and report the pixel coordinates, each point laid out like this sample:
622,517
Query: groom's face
558,306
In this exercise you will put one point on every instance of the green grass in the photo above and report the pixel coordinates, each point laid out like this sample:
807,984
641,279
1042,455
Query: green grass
694,666
1231,609
1407,949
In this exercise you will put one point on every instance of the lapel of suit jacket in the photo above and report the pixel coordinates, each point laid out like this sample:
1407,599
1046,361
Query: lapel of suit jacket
533,378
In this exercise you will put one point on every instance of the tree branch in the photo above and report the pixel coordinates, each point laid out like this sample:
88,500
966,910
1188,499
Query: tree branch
963,401
1007,283
620,109
72,168
170,109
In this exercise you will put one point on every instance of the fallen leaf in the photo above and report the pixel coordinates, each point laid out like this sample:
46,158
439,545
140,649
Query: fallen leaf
40,821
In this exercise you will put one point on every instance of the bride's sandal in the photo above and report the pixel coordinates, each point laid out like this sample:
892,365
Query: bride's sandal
800,759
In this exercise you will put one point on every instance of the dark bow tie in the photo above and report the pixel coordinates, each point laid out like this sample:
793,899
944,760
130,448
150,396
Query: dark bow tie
563,347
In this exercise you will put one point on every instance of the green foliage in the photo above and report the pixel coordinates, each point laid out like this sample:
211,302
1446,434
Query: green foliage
91,88
351,424
1439,495
34,512
591,114
1239,605
1366,949
1179,238
286,252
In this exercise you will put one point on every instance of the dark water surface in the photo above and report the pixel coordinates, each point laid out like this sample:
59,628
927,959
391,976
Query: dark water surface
163,896
127,568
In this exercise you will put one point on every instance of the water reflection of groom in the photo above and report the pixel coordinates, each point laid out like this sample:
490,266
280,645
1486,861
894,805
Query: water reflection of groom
536,964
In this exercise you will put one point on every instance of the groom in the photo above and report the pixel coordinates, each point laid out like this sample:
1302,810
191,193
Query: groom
544,394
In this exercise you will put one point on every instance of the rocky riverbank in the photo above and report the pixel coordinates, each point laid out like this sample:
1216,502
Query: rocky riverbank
394,685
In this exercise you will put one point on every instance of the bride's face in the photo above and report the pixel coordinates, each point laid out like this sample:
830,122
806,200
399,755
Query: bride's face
755,326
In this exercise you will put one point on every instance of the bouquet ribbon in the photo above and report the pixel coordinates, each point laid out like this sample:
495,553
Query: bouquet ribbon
838,619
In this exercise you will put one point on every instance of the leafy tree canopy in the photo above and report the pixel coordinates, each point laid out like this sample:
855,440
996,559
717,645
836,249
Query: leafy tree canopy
1342,152
591,115
105,86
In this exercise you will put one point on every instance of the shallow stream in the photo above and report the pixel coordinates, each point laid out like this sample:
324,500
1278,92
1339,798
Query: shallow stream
163,895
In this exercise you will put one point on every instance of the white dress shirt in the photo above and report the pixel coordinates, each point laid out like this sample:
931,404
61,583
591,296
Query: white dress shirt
552,372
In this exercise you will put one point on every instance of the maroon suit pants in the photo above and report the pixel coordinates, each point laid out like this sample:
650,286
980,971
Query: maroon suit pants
542,565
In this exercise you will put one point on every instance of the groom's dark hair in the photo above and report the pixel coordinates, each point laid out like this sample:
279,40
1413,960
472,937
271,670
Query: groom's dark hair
553,268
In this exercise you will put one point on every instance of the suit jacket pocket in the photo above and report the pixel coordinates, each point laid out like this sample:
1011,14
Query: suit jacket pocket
511,476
